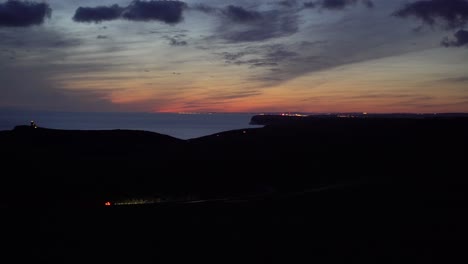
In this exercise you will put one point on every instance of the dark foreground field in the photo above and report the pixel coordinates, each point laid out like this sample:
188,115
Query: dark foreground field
329,190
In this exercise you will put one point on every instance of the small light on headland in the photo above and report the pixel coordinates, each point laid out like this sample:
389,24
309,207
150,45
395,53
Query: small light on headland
107,204
33,124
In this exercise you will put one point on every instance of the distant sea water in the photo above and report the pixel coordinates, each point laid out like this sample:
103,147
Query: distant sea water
182,126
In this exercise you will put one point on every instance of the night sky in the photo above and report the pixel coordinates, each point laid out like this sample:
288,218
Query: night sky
234,56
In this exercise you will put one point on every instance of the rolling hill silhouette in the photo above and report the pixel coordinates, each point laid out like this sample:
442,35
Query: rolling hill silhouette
331,190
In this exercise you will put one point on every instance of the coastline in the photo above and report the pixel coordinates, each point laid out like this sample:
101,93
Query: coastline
183,126
334,188
278,148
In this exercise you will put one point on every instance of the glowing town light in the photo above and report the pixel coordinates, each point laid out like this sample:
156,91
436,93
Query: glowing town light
107,204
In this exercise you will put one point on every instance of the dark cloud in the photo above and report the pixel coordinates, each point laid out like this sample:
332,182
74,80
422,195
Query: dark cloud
253,63
337,4
233,13
288,3
226,95
98,14
170,12
452,13
381,95
22,14
204,8
368,3
309,5
263,56
269,25
324,4
239,24
232,57
176,41
463,79
43,38
461,39
101,37
325,51
239,14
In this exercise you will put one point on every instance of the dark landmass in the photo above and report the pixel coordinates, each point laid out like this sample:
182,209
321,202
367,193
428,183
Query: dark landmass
278,119
299,189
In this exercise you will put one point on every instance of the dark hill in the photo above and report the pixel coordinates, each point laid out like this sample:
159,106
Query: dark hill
328,190
63,165
281,156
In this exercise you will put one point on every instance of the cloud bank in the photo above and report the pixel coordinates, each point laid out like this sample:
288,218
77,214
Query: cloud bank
98,14
450,13
340,4
15,13
240,24
461,39
169,12
241,15
324,4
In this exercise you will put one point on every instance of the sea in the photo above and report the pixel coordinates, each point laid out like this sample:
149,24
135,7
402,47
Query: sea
178,125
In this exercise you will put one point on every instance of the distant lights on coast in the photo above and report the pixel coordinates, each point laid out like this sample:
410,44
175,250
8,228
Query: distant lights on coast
289,114
298,114
285,114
